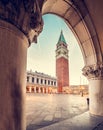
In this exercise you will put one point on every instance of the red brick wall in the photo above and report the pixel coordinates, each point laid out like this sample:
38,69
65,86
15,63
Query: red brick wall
62,73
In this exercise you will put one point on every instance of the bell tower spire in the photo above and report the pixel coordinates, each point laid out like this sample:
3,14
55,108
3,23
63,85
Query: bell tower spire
61,38
62,64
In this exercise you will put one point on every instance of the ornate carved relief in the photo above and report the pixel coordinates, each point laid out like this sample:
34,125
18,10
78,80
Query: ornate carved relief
24,14
94,71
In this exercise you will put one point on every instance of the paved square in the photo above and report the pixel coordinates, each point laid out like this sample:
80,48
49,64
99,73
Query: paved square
47,109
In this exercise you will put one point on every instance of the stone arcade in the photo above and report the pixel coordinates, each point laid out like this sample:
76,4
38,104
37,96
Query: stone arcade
20,24
40,83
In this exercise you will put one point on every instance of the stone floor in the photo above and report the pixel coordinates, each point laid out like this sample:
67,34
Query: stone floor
60,112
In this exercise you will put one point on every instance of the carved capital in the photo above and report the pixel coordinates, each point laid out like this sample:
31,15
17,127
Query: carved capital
25,15
93,71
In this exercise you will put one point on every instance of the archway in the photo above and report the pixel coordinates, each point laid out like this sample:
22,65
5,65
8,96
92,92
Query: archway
37,89
44,89
32,90
27,89
80,26
78,19
17,26
41,90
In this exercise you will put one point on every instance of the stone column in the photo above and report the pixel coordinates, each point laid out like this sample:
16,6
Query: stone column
95,76
30,89
43,90
20,24
38,89
34,89
30,79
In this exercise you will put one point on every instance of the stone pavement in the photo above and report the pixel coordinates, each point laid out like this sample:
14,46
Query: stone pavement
60,112
84,121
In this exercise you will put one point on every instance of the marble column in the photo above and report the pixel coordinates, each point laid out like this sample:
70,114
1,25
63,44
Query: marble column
20,24
30,89
34,89
13,54
43,90
95,77
39,90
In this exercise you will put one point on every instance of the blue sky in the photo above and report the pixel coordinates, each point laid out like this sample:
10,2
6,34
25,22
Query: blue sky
41,56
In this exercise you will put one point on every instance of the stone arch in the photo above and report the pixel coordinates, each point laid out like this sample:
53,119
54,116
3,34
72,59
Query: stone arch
27,89
32,89
41,89
23,27
44,89
79,21
82,18
37,89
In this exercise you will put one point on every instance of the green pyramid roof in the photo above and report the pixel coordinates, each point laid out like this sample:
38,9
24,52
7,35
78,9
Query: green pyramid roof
61,38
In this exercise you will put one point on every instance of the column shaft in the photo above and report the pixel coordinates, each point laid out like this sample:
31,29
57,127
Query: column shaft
13,58
96,97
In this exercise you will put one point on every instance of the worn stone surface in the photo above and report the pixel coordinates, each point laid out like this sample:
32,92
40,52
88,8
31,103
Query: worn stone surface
47,109
20,24
83,121
71,113
25,15
13,52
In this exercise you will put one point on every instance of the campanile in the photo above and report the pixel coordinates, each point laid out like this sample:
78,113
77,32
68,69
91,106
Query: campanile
62,64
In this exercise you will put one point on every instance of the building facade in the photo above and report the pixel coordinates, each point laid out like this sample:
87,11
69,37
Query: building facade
40,83
78,90
62,64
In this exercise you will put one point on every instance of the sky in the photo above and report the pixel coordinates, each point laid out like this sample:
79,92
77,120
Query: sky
41,56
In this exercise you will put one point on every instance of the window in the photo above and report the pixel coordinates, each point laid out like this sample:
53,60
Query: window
41,81
37,80
51,82
64,53
48,82
59,53
32,79
55,83
27,78
45,81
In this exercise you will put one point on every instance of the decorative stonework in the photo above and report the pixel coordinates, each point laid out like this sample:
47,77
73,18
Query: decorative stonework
25,15
93,71
62,52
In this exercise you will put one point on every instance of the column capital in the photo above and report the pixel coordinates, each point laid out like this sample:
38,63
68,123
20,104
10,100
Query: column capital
25,15
93,71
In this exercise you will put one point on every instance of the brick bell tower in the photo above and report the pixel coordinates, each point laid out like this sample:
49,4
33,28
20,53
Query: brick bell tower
62,64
